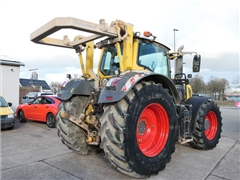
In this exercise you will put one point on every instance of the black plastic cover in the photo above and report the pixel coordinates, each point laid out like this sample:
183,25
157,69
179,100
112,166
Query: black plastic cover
76,87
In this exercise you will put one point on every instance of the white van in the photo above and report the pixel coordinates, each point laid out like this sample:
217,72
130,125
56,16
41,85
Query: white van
32,95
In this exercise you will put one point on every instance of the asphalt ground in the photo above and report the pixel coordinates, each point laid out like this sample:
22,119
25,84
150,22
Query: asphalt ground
33,151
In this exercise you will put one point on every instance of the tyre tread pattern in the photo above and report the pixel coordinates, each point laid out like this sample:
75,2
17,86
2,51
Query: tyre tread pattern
199,139
72,135
113,127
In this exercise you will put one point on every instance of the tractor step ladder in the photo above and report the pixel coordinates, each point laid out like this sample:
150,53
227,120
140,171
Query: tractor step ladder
184,123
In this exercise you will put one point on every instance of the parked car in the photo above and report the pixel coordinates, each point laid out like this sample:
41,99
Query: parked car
6,114
43,108
202,95
31,95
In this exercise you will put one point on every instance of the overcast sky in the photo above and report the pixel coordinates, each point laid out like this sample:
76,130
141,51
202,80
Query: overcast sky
210,28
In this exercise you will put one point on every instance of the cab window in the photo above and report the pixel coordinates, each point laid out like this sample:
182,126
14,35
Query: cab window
110,61
153,57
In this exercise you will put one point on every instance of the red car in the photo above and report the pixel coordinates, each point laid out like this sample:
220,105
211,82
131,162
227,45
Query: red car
42,108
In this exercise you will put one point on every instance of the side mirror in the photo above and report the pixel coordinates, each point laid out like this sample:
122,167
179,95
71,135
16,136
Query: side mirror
9,104
69,76
196,63
24,97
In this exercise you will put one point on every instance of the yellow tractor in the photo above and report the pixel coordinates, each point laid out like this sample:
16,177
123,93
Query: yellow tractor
134,108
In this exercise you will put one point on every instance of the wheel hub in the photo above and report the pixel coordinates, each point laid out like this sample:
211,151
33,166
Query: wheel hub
152,130
206,124
210,125
142,127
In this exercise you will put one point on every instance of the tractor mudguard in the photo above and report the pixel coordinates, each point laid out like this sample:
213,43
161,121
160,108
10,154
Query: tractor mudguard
196,104
118,87
76,87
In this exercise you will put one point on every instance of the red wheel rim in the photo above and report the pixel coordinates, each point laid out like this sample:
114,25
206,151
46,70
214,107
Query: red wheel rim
210,125
152,130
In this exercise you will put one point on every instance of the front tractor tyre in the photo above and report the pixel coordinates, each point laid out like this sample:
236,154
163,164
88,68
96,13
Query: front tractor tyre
73,136
207,126
138,133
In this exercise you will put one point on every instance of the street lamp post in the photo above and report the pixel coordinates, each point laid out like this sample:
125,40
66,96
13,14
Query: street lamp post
174,38
32,69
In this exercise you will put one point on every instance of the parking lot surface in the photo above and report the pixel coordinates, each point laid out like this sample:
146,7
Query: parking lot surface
33,151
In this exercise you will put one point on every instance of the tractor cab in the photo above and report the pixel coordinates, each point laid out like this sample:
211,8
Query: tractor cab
147,55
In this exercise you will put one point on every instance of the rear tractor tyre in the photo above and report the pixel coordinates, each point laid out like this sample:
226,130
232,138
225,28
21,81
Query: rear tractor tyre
72,135
138,134
207,127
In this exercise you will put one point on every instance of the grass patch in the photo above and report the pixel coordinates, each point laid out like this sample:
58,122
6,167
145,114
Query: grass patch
225,103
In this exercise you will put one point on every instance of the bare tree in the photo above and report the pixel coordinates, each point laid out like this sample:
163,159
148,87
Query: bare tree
223,86
236,82
212,86
218,86
197,84
55,86
34,75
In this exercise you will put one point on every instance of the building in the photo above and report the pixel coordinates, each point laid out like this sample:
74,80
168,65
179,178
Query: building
32,85
35,83
9,80
233,97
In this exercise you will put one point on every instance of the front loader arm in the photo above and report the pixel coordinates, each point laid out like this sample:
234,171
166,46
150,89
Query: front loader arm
40,36
116,32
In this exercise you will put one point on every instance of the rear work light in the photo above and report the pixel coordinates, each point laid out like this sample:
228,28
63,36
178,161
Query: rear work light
109,98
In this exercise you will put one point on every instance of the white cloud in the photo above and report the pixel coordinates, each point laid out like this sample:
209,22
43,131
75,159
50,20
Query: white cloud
209,27
214,39
220,8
